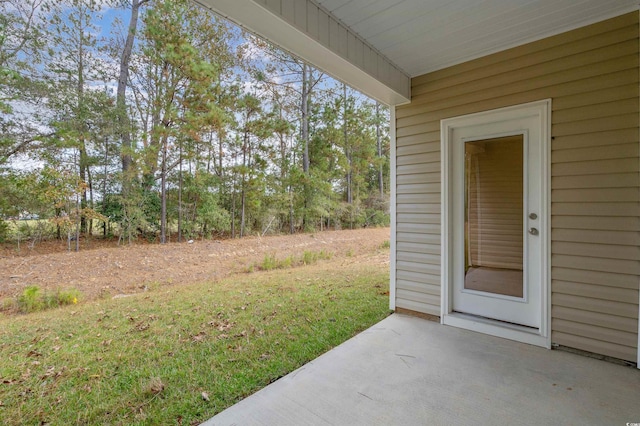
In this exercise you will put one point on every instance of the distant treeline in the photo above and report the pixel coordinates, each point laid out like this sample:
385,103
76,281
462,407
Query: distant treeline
156,117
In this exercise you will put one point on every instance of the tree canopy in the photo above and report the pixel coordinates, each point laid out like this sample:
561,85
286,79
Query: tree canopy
159,119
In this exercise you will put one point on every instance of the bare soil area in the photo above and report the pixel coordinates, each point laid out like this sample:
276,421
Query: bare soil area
102,269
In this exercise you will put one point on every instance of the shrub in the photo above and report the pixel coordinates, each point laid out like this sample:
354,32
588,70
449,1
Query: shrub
62,298
33,299
30,300
311,257
4,231
269,262
286,263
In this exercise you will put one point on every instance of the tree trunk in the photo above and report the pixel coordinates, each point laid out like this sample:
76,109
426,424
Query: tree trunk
220,154
104,186
243,194
81,127
233,211
305,117
123,78
180,196
347,148
83,181
90,183
163,194
379,141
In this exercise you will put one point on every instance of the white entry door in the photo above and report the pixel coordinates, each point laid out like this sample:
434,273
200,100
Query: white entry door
496,215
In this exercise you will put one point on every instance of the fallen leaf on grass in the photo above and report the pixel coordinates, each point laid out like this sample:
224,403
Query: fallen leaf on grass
199,337
142,326
51,371
155,385
221,326
205,396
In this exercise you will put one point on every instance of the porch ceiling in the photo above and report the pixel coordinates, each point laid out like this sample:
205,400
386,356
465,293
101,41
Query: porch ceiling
422,36
378,45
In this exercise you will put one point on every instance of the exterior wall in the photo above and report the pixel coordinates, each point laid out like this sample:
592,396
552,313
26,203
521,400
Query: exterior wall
592,76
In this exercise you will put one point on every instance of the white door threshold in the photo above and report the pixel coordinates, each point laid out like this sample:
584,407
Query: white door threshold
529,335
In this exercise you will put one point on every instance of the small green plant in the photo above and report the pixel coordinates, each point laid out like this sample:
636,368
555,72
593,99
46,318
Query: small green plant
311,257
65,297
350,253
386,244
33,299
286,263
30,300
269,262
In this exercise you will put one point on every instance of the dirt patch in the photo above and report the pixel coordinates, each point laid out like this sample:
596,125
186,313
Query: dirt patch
108,271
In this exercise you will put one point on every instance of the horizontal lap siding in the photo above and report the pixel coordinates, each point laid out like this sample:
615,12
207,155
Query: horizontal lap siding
591,74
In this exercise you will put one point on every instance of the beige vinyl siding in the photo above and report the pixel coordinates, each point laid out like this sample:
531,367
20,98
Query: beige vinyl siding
591,75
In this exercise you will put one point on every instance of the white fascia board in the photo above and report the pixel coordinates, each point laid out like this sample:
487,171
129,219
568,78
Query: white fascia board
388,84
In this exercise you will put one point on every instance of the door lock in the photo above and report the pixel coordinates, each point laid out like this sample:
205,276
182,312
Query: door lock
533,231
533,216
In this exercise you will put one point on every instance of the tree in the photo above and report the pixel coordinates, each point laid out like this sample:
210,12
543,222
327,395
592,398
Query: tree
74,65
184,120
21,49
124,126
177,92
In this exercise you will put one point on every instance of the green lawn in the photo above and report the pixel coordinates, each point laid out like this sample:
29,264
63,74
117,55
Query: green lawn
155,358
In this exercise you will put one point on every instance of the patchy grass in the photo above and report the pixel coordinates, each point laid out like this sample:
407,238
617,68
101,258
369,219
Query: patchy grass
33,299
311,257
271,262
181,355
308,257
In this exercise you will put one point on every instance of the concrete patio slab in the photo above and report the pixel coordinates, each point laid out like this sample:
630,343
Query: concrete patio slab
409,371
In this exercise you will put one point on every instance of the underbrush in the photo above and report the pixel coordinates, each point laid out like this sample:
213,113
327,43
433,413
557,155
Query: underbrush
308,257
33,299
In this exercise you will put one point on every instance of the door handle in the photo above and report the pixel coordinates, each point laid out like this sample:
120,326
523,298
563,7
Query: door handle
533,231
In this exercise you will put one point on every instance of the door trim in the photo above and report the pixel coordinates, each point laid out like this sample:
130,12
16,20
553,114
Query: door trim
539,337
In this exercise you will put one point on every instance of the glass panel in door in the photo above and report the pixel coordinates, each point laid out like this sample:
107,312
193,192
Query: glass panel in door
494,216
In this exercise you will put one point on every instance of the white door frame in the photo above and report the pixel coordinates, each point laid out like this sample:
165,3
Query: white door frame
542,336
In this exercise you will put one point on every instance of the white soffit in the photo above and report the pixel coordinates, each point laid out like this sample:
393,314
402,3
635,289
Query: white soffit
422,36
376,46
309,32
